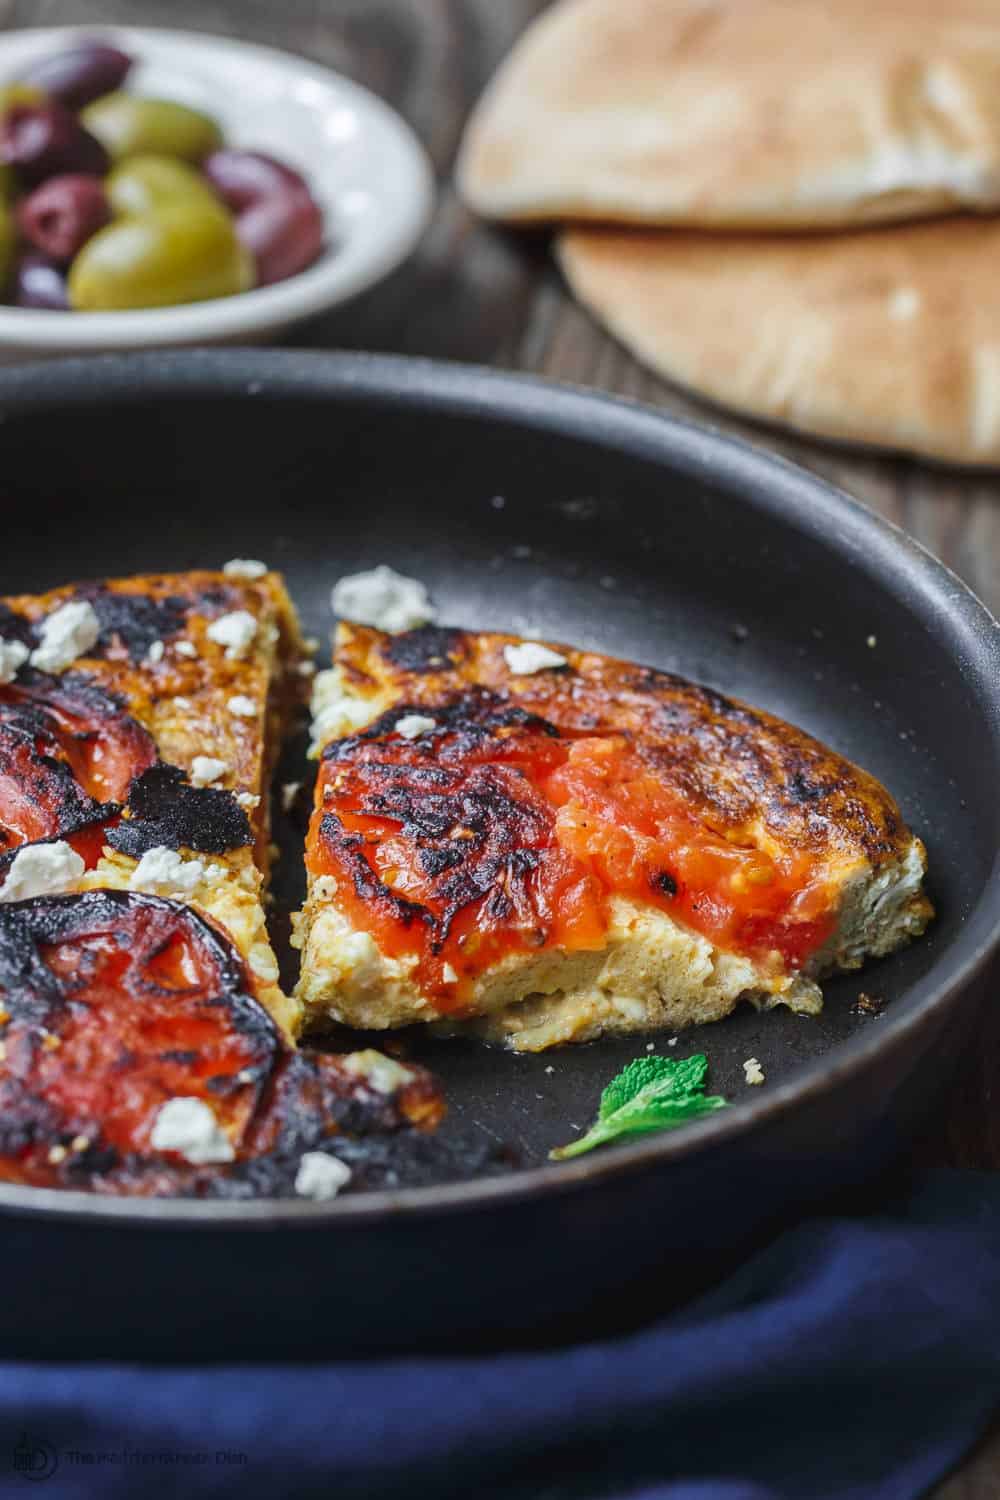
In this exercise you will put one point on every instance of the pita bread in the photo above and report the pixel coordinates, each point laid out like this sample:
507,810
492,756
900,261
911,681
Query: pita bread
749,114
890,337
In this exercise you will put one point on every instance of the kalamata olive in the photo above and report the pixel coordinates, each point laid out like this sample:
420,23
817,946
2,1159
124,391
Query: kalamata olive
45,140
276,216
130,126
59,217
40,283
242,178
284,234
183,253
80,74
145,184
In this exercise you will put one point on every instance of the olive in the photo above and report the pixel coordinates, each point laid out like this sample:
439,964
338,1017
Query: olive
40,283
45,140
8,241
130,126
277,217
145,184
80,74
181,254
59,217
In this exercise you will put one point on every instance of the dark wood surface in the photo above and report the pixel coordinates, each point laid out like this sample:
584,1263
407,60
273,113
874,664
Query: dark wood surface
471,293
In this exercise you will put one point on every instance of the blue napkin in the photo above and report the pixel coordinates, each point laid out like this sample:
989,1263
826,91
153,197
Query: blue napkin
855,1358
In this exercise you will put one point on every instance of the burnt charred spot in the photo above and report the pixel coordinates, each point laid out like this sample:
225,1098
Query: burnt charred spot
134,621
664,882
467,719
166,810
15,627
349,848
429,648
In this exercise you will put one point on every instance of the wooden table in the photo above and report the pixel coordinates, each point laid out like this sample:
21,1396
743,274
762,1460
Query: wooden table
475,294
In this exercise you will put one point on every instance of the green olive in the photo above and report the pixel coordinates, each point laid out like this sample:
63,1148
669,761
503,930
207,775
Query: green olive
8,242
127,125
181,254
147,184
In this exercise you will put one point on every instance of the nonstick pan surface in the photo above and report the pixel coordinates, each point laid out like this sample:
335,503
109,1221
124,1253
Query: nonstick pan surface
533,508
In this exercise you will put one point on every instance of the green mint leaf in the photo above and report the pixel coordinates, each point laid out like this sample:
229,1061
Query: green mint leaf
651,1093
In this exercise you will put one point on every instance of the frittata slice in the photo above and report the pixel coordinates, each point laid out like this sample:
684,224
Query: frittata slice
544,844
140,721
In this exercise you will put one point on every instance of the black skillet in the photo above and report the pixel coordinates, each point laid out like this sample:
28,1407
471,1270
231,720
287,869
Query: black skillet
528,507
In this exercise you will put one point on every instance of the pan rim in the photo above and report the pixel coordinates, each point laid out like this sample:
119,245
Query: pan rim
752,476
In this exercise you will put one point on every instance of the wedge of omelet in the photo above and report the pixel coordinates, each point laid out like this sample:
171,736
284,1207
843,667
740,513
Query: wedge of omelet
542,844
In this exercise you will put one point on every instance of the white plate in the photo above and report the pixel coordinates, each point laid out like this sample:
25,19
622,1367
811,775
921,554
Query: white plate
365,167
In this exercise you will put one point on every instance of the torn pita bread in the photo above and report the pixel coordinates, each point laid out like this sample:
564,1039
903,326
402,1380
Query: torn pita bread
890,337
755,114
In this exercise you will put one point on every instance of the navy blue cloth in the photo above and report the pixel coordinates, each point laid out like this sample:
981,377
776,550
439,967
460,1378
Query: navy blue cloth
852,1359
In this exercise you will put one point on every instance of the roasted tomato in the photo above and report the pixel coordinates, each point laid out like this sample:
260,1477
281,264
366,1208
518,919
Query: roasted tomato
115,1003
68,755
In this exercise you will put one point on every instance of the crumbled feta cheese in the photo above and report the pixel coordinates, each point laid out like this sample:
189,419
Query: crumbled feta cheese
550,1069
244,567
13,655
411,726
334,713
448,974
185,648
529,658
752,1071
184,704
383,598
235,631
306,669
164,872
650,1046
67,633
248,800
289,792
325,887
321,1177
205,769
672,1042
188,1126
41,870
155,652
242,706
381,1073
871,642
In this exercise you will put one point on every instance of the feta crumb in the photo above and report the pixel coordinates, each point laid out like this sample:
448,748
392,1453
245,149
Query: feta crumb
242,706
325,887
871,642
381,1073
321,1177
205,769
235,631
672,1042
244,567
650,1046
529,658
383,598
448,975
184,704
248,800
155,652
164,872
13,655
67,633
550,1069
289,792
752,1070
185,648
334,713
41,870
411,726
188,1126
